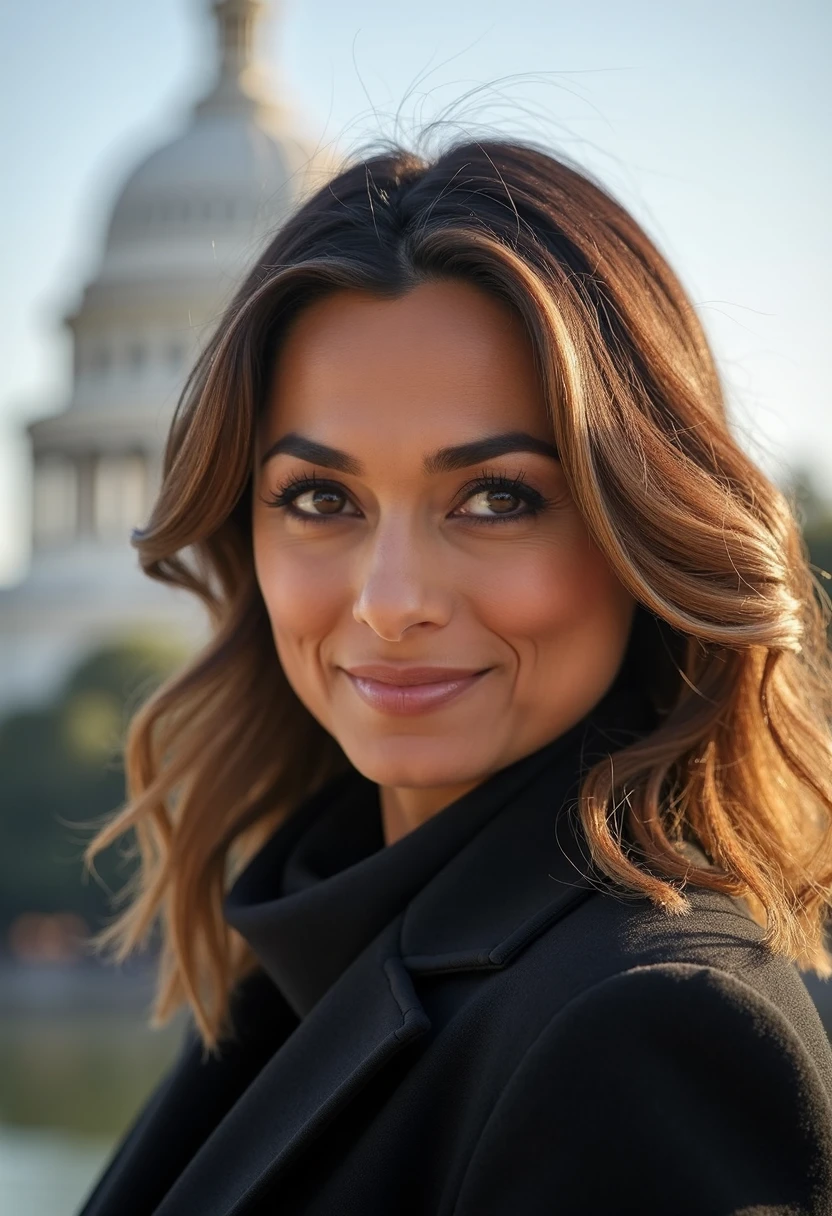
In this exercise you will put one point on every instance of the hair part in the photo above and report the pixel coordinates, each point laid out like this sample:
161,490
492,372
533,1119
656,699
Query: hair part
732,625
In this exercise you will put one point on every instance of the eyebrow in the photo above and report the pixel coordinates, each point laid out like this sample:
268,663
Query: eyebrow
443,460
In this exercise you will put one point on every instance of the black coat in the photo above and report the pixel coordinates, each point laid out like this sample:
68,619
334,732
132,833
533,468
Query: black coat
510,1039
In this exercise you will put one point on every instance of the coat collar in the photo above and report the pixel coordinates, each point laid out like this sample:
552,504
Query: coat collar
518,870
526,867
325,884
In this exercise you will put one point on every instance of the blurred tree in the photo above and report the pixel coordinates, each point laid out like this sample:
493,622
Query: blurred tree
814,511
61,766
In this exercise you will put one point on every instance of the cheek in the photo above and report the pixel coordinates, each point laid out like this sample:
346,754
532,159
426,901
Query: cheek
300,594
558,590
303,606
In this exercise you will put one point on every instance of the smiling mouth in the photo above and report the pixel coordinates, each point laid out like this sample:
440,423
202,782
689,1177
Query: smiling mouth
412,698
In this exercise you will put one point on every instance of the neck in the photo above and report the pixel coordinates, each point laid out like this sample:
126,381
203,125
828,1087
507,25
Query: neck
623,715
406,808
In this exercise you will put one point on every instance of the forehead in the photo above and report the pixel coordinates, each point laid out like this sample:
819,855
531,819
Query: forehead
446,357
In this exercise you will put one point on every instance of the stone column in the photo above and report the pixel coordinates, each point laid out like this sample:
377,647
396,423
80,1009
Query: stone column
86,495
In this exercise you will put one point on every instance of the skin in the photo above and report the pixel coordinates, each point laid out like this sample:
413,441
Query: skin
402,565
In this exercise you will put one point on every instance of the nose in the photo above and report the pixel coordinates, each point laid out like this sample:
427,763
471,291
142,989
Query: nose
399,582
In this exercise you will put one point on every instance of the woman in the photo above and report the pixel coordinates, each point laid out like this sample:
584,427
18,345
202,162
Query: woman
487,832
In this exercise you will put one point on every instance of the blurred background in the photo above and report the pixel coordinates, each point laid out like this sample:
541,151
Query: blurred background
148,150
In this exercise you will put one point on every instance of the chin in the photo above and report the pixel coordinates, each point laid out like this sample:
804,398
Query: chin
417,762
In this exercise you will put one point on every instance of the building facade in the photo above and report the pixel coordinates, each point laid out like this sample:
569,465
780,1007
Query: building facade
184,227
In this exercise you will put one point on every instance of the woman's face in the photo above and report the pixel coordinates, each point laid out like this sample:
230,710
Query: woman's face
400,555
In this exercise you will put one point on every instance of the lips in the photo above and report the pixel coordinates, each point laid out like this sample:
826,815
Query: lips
384,673
436,686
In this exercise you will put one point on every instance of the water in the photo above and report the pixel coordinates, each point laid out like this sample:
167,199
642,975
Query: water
47,1172
77,1061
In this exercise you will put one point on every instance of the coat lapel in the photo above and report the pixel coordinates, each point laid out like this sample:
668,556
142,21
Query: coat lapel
364,1020
506,886
523,869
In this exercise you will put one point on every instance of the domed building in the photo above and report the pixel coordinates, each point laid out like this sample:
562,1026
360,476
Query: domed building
184,227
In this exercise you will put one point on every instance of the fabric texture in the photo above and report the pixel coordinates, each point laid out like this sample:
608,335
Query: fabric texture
471,1022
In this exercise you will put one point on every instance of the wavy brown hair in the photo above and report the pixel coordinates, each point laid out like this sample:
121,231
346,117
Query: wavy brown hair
733,626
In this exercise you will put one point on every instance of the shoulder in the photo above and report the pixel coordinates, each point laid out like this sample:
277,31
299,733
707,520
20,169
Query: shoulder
665,1086
662,1027
611,935
673,1013
630,957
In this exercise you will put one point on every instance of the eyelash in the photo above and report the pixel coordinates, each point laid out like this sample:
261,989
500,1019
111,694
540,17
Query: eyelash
285,495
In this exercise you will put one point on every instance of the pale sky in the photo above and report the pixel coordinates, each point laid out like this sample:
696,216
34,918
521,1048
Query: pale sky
710,121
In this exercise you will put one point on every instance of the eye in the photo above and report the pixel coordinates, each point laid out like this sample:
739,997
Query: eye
498,492
503,494
323,494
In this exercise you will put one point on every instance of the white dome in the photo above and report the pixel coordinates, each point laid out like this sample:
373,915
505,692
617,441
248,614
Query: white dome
186,225
207,198
227,170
